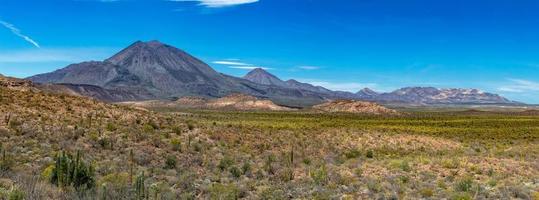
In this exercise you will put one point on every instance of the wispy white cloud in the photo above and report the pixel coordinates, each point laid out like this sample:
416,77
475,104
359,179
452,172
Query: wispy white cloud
249,67
309,67
520,86
18,33
219,3
229,62
238,64
55,55
340,86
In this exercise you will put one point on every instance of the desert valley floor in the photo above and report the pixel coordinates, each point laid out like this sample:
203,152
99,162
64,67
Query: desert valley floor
58,146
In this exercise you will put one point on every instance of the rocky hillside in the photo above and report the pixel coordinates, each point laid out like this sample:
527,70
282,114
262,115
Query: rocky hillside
14,83
351,106
35,126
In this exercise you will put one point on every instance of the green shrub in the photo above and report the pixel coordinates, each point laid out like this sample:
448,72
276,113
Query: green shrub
177,130
170,163
320,176
404,179
401,164
370,154
358,172
16,194
306,161
426,192
224,192
492,182
190,126
197,147
111,127
148,128
105,143
354,153
160,190
246,167
464,185
115,180
225,163
176,144
374,186
461,196
451,163
153,125
47,172
287,174
236,173
272,194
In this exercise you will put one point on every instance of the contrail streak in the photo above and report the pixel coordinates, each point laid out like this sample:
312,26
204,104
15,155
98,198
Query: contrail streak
17,32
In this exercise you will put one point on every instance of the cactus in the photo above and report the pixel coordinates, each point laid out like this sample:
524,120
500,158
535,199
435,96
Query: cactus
70,170
8,118
104,193
292,156
131,163
140,189
90,120
269,164
5,162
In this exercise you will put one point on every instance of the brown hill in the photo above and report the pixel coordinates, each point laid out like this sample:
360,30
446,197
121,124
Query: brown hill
245,102
351,106
232,102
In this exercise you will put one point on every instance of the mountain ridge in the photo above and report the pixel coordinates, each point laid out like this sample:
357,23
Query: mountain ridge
154,70
432,95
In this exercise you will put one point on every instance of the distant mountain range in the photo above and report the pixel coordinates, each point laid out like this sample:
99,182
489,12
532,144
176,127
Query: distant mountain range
153,70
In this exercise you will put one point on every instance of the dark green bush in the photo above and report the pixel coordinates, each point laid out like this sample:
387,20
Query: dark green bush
354,153
235,171
225,163
170,163
370,154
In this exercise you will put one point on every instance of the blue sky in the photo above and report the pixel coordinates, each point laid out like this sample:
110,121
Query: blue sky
491,45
